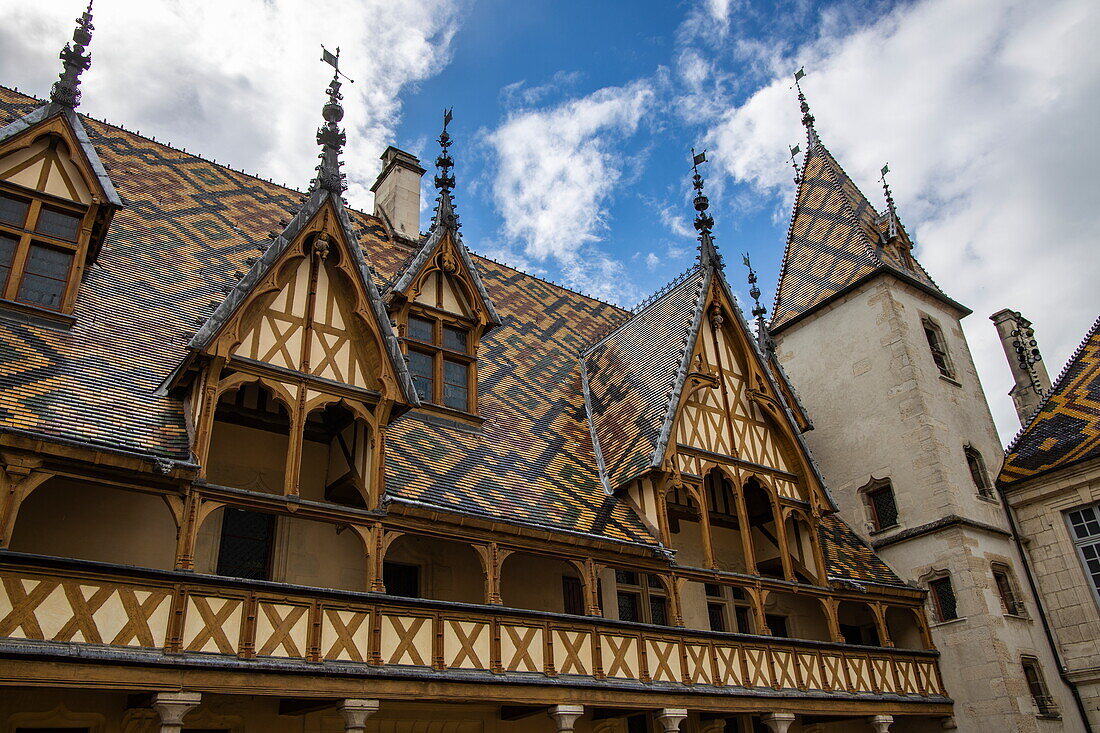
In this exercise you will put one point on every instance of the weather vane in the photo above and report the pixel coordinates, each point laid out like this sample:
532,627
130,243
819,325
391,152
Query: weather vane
333,60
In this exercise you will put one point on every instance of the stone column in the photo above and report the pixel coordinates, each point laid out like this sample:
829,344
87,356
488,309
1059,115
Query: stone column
670,719
355,713
779,722
172,706
718,725
565,716
881,723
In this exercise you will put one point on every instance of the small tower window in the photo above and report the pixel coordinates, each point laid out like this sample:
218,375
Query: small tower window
938,346
884,509
1037,686
943,599
1006,589
978,474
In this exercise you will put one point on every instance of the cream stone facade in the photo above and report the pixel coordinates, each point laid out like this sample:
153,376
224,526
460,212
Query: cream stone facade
883,411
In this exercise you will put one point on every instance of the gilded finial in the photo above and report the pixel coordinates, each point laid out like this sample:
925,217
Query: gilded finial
329,136
807,118
66,90
704,222
763,335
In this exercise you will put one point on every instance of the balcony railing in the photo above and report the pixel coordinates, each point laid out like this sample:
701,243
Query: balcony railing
197,616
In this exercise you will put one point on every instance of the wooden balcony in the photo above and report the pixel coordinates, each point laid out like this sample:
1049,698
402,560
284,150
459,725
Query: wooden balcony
56,608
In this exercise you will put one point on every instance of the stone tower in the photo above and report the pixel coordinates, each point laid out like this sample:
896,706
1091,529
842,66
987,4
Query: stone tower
905,439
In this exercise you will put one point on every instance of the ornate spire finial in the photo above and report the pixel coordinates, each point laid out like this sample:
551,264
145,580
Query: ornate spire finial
66,90
704,222
891,210
795,150
807,118
329,136
445,180
763,335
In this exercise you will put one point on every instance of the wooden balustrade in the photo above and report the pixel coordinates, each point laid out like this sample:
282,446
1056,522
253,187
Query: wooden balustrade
50,600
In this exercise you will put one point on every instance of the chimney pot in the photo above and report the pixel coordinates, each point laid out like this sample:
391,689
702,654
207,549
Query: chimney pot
397,192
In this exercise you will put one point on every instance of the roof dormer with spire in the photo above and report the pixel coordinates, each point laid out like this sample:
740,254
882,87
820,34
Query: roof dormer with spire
52,182
837,239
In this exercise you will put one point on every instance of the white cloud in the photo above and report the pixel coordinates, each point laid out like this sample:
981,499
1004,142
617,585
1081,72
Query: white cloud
555,169
984,110
652,261
240,81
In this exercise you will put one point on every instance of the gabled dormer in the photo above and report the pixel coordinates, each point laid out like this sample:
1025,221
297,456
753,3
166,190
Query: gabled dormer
294,377
442,309
56,200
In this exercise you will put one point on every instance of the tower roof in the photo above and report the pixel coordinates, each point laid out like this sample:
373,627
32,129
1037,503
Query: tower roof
1066,428
838,240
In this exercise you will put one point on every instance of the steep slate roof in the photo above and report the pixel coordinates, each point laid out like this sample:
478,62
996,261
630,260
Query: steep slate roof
1066,428
834,242
191,229
634,373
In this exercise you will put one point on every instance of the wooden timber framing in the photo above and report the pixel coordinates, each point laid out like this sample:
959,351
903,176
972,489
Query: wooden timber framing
165,622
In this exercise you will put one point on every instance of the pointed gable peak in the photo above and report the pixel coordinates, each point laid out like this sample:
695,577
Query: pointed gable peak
443,250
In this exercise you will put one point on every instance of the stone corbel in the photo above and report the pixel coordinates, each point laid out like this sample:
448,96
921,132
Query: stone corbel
670,719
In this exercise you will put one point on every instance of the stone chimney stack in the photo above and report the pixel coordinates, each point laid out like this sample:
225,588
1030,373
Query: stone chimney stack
1032,383
397,192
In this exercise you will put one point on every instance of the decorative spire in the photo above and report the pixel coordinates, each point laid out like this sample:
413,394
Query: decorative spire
66,90
445,180
704,222
329,136
892,213
763,335
807,118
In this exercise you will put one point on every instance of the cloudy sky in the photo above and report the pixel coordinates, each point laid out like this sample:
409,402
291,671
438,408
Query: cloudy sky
574,119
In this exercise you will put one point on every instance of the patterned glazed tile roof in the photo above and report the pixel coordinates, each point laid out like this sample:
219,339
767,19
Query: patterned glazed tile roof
191,229
1066,428
632,375
834,241
848,557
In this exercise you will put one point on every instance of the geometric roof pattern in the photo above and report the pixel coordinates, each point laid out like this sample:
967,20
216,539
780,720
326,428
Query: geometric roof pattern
835,241
1066,427
632,377
188,233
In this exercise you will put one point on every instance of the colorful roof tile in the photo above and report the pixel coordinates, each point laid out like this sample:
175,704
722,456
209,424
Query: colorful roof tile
1066,428
835,241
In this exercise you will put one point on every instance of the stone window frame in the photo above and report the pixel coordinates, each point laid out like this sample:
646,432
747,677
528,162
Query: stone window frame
928,580
874,486
976,467
1014,605
1045,703
938,349
1087,546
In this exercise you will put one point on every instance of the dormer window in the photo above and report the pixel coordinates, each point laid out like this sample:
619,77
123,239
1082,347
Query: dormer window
440,361
39,242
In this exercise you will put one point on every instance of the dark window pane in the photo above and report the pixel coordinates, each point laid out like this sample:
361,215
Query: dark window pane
742,615
737,593
454,338
422,329
45,275
944,597
401,579
245,544
658,610
60,224
937,347
778,624
712,590
572,595
654,582
422,369
717,616
885,510
628,607
7,254
1085,523
13,210
977,472
626,577
455,391
1007,593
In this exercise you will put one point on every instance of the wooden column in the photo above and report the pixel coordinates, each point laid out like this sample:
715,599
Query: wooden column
704,527
746,528
188,529
781,533
879,611
208,405
831,615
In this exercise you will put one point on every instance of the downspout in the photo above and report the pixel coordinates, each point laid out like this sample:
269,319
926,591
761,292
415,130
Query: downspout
1043,615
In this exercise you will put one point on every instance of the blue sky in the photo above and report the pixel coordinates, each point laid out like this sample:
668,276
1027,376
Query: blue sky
573,122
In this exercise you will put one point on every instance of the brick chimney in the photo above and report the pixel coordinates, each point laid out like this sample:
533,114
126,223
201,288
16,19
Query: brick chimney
1018,340
397,192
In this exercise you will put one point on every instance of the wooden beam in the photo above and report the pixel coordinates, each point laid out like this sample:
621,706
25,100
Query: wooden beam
300,706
